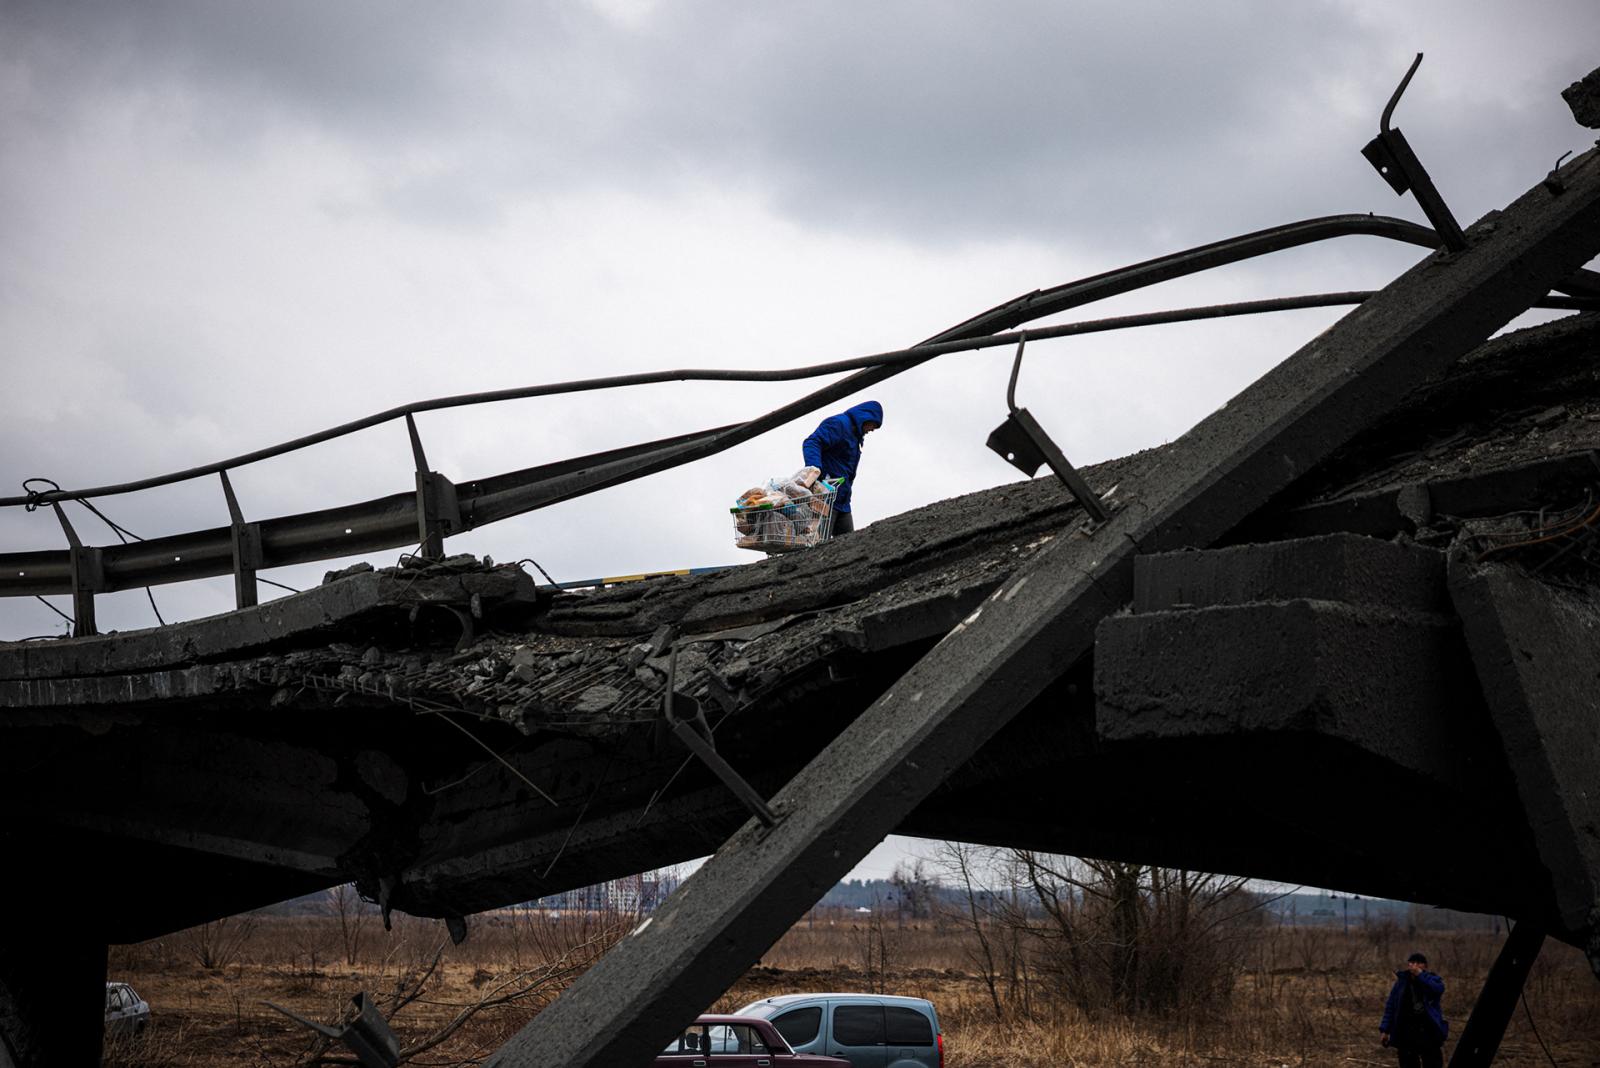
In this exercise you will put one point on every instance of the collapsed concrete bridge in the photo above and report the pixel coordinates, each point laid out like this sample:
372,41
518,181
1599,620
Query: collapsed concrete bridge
1371,577
1258,710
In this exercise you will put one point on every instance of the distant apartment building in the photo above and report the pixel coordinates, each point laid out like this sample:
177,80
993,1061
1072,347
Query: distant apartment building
629,894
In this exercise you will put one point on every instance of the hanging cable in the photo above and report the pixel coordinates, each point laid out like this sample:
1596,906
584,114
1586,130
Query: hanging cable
123,534
54,609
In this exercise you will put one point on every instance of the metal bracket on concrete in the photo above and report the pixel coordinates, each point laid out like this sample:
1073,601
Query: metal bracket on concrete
1393,158
1023,443
438,510
367,1034
88,576
1480,1039
246,538
693,731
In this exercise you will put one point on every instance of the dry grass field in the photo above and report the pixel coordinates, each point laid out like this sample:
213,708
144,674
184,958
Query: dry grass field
1307,997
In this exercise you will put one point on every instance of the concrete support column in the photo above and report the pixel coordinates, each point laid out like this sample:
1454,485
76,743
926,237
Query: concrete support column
52,993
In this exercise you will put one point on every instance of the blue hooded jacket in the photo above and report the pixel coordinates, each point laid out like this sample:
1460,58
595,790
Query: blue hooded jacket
1431,988
835,446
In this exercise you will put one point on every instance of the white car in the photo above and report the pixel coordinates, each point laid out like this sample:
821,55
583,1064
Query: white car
126,1012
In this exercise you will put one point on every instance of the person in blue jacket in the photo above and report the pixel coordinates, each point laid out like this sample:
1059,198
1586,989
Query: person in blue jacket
1413,1022
835,446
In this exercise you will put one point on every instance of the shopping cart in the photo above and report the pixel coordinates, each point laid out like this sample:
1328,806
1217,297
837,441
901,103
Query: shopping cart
783,522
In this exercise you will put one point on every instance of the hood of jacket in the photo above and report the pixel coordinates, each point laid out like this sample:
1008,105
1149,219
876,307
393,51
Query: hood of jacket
864,413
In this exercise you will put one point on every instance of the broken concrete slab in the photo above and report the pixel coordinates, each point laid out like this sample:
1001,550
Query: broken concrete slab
1383,681
1536,651
1347,568
303,615
1341,636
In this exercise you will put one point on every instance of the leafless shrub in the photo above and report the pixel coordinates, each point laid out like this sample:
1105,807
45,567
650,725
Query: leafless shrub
871,937
217,944
345,904
156,1046
1105,936
557,949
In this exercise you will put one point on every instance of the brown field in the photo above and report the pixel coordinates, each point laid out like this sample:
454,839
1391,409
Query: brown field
1305,997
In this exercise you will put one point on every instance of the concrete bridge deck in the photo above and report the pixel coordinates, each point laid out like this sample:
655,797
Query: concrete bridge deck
342,734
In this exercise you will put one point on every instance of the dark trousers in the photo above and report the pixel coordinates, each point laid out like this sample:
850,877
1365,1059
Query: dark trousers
1427,1057
842,524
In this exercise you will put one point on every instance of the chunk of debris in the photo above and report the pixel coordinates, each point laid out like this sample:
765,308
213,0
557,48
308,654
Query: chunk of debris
596,699
1583,97
359,568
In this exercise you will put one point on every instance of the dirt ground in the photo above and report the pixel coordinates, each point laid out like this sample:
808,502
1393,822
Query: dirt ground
1307,998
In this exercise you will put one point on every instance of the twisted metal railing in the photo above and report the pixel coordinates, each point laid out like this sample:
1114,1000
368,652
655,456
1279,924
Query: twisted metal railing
437,507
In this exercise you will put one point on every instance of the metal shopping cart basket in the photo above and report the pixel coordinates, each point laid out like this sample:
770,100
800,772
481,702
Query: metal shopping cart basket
783,522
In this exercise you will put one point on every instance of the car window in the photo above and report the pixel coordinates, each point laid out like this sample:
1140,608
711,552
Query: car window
799,1026
692,1040
907,1027
858,1025
736,1038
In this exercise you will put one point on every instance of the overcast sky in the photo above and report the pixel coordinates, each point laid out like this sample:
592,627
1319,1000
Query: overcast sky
224,225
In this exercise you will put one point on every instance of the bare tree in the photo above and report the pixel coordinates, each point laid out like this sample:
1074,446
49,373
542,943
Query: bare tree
975,913
353,914
1131,938
216,944
917,888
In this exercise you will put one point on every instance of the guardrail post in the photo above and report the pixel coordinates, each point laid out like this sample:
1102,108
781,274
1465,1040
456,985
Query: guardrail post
246,538
438,511
88,575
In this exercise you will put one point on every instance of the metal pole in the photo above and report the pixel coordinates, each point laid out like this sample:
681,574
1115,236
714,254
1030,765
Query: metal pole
1480,1039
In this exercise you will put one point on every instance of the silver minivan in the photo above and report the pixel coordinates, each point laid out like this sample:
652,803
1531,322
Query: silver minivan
868,1030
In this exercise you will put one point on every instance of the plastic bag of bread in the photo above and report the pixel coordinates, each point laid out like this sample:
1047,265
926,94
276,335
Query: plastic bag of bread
776,529
806,476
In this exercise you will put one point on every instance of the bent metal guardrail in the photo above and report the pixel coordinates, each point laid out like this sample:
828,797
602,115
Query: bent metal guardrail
437,507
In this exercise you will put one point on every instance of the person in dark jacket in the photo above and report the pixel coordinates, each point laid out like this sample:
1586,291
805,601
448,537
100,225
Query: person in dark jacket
1413,1022
835,447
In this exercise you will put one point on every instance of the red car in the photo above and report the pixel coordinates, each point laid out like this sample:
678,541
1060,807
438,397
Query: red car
737,1042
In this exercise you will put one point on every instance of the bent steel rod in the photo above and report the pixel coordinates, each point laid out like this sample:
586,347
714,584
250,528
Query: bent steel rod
1030,306
388,522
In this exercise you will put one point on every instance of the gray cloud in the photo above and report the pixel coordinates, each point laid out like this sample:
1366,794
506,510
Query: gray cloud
938,122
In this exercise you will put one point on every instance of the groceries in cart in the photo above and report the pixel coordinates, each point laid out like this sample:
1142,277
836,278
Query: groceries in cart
786,513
